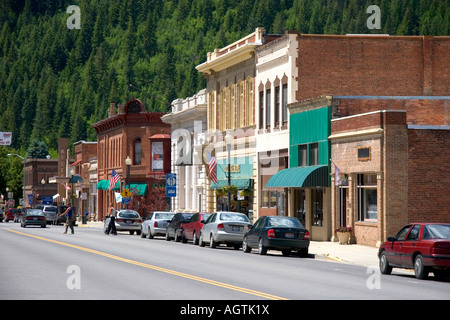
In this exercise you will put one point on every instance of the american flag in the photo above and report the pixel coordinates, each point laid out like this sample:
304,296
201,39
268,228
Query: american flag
212,164
113,181
65,186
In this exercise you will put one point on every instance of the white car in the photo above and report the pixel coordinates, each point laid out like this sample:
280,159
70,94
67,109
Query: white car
126,220
224,227
156,224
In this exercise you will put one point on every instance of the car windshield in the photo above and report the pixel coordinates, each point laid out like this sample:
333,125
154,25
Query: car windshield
229,216
436,231
129,214
34,212
164,215
284,222
53,209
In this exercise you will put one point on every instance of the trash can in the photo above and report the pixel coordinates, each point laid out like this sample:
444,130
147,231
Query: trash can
84,217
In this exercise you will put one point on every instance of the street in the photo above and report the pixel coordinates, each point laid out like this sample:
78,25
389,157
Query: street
44,263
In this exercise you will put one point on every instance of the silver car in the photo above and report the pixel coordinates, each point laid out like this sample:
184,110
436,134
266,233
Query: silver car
224,227
50,213
156,224
126,220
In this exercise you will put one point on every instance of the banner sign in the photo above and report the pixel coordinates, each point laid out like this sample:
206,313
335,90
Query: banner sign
5,138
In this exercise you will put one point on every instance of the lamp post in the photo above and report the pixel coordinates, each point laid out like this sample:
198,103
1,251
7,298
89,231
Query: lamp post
43,189
229,141
128,162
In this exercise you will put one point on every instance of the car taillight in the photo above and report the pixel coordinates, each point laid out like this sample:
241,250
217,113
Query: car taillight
306,235
270,233
220,226
155,225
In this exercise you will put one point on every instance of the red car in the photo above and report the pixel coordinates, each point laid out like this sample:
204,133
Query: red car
423,247
191,230
11,214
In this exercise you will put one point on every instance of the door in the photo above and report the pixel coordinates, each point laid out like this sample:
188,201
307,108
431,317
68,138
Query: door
410,246
396,249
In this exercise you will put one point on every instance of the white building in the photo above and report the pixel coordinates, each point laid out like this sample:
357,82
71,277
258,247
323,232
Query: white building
188,121
275,86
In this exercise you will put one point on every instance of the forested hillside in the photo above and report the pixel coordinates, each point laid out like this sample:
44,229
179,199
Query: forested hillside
55,81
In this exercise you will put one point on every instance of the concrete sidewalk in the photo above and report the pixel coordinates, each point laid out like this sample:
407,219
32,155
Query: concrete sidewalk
332,251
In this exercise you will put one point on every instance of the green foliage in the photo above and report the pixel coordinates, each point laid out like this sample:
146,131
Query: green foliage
55,82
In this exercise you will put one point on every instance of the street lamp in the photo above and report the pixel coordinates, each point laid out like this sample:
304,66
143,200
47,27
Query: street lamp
128,162
43,189
229,141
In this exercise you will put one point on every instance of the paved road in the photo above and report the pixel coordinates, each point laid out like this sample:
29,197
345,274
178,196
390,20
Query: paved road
44,263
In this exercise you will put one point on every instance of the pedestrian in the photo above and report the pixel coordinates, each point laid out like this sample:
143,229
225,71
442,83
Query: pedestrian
70,217
112,220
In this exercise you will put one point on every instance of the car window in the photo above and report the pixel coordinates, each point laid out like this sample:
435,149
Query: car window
284,222
259,222
205,216
413,235
129,214
52,209
34,213
164,215
401,235
211,218
436,231
194,218
229,216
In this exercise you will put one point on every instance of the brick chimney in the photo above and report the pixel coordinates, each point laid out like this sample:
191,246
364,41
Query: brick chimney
112,109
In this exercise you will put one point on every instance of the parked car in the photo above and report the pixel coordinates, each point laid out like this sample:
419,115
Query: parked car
50,213
156,224
11,214
33,217
174,229
224,227
191,229
2,214
126,220
423,247
277,233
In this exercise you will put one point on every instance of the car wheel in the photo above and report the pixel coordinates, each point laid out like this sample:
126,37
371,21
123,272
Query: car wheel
303,253
286,252
142,234
385,268
194,238
167,236
201,243
177,237
245,247
183,237
150,235
261,249
420,270
212,243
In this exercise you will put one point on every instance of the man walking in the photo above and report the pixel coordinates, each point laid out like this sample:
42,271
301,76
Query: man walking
70,217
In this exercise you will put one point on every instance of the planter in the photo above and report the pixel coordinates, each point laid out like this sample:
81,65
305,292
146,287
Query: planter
344,237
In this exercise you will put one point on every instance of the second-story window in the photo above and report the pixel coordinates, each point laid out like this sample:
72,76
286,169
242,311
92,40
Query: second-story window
137,152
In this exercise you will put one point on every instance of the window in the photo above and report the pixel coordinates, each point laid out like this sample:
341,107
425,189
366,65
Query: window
277,107
240,104
249,102
230,107
137,152
314,154
269,199
414,233
157,156
261,109
367,197
302,155
268,107
317,207
285,103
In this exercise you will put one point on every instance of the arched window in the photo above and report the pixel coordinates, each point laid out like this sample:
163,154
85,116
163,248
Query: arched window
137,152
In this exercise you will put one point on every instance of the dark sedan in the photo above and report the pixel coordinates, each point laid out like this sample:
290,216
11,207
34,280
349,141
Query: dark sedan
174,228
33,217
277,233
423,247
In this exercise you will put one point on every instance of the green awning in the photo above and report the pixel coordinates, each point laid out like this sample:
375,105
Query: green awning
239,183
140,187
104,184
300,177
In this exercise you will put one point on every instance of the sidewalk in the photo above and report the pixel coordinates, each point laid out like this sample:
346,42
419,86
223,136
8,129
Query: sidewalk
332,251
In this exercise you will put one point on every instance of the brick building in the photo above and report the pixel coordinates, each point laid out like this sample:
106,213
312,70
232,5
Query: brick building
394,158
144,138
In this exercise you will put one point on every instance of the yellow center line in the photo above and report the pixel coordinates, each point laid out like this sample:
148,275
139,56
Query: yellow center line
152,267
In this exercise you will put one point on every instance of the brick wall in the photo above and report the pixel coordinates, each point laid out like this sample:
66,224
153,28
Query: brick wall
429,175
380,66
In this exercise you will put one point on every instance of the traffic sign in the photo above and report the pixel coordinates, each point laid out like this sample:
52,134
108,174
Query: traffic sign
126,193
171,184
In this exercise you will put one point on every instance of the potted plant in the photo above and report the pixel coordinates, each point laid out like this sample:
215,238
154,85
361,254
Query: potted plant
343,234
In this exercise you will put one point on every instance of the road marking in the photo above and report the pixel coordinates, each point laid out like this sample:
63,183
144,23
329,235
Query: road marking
152,267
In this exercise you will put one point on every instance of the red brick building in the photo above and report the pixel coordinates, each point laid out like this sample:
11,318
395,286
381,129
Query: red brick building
373,65
144,138
394,153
